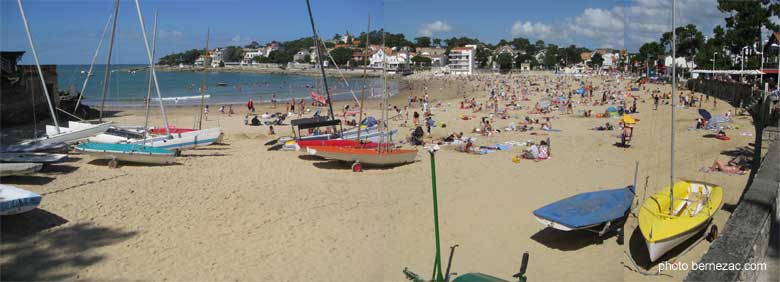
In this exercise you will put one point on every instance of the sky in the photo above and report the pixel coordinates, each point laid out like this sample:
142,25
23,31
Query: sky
68,32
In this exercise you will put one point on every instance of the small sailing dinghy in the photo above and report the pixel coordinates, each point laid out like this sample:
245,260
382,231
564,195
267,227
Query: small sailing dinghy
60,147
32,158
367,156
15,200
9,169
128,152
694,205
587,210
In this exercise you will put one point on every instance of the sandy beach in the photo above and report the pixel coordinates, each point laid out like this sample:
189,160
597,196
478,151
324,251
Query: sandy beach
240,212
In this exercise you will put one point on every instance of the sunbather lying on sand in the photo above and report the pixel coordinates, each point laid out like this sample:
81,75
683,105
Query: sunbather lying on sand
731,167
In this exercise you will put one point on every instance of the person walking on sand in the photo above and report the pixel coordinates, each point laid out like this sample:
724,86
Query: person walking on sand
206,112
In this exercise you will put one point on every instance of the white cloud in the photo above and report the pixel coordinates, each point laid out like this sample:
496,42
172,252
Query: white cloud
429,29
535,30
641,21
235,39
170,34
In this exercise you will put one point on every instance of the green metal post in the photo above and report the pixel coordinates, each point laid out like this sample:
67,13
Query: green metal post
437,274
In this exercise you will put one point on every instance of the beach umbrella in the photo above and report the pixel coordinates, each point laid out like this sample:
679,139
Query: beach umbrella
705,114
628,119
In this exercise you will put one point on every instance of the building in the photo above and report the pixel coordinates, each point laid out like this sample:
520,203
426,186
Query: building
431,52
301,56
251,54
525,67
461,60
216,57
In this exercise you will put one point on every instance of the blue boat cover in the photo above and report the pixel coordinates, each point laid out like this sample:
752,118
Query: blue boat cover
124,148
587,209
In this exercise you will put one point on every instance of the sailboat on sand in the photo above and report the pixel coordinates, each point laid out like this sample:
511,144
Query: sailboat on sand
381,156
680,211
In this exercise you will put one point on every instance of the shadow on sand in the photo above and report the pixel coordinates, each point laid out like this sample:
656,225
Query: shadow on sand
31,252
638,249
570,240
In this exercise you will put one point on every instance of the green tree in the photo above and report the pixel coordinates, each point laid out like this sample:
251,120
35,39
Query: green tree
689,40
504,61
482,56
253,45
420,60
261,59
551,56
596,60
306,58
745,19
187,57
341,55
233,54
280,57
423,41
437,42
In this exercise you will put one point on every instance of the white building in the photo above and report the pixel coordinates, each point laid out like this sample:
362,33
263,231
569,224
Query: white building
216,57
610,60
250,55
461,60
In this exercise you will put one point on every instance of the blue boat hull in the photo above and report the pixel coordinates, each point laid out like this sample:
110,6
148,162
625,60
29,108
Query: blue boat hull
587,209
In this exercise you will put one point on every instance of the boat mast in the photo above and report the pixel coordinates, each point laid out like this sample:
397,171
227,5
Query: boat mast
674,88
92,65
203,84
149,87
38,66
107,77
365,68
151,67
319,60
383,145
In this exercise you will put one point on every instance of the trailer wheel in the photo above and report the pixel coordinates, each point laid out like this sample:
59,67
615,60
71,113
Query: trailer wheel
620,236
357,167
713,233
113,163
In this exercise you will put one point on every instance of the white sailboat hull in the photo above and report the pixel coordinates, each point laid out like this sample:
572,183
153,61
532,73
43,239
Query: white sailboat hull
71,134
8,169
186,140
32,158
15,200
659,248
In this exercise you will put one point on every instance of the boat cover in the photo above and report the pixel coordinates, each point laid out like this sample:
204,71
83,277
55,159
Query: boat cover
590,208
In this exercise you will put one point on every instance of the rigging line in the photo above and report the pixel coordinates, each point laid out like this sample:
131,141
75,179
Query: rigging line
342,75
108,61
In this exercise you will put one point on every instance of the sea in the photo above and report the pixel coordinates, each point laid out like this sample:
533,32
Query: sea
129,85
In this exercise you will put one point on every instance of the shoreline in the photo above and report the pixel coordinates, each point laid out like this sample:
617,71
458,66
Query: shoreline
304,70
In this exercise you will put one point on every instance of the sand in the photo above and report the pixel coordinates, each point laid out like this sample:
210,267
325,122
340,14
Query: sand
237,211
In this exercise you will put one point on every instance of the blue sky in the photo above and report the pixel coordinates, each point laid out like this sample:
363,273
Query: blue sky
67,32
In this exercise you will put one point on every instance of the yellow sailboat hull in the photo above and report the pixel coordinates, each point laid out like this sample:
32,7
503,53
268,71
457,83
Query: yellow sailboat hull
694,205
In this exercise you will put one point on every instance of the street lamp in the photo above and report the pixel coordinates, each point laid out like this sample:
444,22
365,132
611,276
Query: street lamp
713,64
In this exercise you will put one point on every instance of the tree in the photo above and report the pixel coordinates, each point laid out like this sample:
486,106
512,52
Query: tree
341,55
253,45
745,21
261,59
504,61
423,41
437,42
233,54
482,56
279,57
596,60
689,40
187,57
551,56
420,60
306,58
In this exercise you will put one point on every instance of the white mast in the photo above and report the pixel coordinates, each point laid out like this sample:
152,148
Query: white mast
38,66
151,67
107,79
149,87
92,65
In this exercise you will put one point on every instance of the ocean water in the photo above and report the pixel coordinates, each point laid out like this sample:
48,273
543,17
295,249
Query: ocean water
130,89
